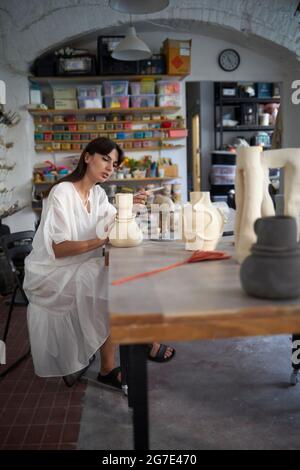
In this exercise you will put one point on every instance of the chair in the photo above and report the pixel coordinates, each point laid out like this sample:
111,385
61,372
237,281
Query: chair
16,247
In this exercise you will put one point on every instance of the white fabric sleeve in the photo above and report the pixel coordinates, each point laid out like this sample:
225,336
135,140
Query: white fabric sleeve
106,220
57,227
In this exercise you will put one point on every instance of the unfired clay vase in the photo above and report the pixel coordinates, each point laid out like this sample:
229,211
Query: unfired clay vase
251,188
203,223
272,271
125,232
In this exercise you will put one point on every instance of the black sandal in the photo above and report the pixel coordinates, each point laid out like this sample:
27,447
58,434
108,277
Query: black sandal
111,379
160,355
71,379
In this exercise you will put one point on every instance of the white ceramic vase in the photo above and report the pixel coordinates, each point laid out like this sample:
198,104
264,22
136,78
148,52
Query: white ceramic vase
203,223
125,232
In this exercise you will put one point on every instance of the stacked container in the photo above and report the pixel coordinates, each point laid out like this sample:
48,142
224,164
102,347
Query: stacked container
89,97
143,94
168,93
116,94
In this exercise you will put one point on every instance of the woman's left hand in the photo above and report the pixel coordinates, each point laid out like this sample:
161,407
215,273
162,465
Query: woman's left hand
141,197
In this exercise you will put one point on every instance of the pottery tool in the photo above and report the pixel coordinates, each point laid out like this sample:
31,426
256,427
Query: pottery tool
196,257
149,191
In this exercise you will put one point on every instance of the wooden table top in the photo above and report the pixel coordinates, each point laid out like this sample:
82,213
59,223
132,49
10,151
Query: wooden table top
196,301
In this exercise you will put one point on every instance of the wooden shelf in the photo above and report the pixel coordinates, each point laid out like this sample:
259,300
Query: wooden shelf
100,78
143,149
50,112
104,131
142,121
116,180
115,140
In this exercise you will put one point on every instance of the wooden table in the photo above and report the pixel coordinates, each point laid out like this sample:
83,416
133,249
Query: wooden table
192,302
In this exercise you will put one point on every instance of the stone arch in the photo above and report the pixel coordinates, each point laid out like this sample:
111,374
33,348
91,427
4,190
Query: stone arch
27,27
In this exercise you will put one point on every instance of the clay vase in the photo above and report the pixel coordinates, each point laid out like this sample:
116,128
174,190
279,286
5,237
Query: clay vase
272,271
203,223
125,232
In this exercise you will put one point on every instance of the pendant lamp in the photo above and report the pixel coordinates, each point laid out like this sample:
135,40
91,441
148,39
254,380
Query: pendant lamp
138,7
131,47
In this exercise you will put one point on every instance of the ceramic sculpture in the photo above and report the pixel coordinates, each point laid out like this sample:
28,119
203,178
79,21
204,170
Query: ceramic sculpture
203,223
272,271
125,231
252,195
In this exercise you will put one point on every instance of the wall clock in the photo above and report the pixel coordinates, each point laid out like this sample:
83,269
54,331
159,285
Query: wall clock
229,60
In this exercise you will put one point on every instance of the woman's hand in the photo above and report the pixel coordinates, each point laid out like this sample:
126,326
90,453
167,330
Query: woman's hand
141,197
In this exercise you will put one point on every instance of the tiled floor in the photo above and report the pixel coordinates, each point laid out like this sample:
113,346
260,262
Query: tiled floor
35,413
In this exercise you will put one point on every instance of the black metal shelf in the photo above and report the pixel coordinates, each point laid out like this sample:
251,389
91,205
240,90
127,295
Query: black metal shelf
226,101
243,128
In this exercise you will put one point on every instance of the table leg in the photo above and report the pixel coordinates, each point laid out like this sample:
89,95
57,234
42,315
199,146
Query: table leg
138,386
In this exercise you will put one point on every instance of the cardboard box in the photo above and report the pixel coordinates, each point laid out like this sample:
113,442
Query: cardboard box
171,171
65,104
178,56
62,93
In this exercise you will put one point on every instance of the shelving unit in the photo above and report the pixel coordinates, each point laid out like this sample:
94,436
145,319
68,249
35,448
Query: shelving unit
238,102
245,110
67,131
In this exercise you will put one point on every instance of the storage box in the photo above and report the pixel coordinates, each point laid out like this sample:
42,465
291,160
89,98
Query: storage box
168,87
169,100
156,65
90,103
178,133
144,87
264,90
89,91
115,87
65,104
143,101
63,93
171,171
178,56
115,102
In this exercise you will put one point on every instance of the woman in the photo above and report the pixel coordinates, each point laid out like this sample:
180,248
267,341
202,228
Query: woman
64,277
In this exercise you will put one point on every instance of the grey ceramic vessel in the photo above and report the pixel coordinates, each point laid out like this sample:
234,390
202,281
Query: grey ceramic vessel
272,271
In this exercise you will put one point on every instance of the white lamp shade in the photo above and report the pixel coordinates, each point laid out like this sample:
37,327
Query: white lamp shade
131,48
138,7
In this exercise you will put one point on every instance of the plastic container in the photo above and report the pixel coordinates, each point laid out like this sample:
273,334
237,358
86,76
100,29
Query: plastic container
169,100
142,101
145,87
223,174
115,102
115,87
89,91
168,87
90,103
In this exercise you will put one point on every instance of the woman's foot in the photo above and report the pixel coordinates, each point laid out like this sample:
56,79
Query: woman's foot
160,352
111,378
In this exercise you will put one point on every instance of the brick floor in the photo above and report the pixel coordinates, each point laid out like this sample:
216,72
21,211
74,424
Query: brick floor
35,413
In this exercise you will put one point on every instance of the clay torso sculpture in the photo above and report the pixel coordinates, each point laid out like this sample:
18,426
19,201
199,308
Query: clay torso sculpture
203,223
251,188
272,271
125,232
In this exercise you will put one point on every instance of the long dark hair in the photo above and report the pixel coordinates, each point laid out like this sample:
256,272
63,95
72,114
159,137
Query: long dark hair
101,145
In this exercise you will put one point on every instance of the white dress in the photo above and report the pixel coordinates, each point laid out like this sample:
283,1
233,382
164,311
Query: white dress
67,313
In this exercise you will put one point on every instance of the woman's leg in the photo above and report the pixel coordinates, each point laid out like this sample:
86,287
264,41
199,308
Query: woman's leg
107,355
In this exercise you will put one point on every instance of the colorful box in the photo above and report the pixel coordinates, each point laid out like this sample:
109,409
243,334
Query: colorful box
116,102
143,101
115,87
